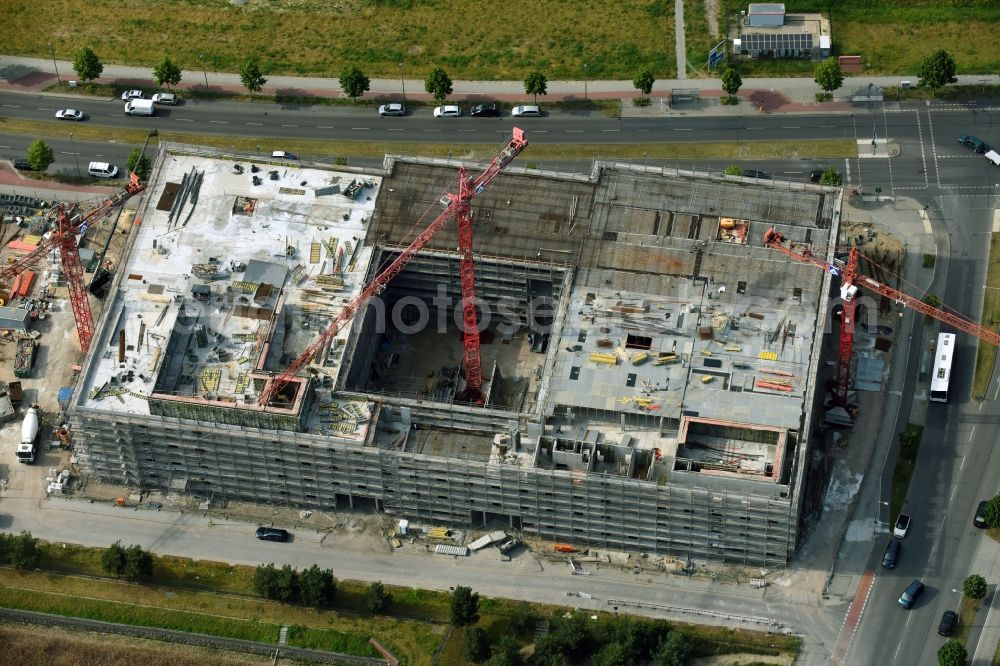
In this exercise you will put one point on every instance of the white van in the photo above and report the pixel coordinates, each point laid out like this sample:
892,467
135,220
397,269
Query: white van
102,170
994,157
140,107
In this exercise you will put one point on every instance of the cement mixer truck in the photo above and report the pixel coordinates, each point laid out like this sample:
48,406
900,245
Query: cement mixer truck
28,448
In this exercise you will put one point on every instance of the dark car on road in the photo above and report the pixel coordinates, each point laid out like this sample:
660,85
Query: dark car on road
973,142
486,111
272,534
979,520
891,554
22,165
910,594
948,622
815,175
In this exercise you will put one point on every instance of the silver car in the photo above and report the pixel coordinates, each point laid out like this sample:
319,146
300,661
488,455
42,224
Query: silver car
529,111
69,114
447,111
392,109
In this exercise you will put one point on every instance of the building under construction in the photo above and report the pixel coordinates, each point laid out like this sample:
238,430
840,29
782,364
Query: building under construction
648,364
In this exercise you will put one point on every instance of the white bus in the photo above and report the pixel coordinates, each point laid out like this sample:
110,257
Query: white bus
943,355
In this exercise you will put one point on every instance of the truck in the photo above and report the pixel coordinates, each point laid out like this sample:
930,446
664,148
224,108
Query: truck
24,357
140,107
28,448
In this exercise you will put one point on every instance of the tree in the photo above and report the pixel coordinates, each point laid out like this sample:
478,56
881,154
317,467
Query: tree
113,559
830,176
24,551
166,72
139,166
40,155
505,653
317,587
378,598
644,81
523,619
993,512
438,83
937,69
264,580
734,170
674,650
548,652
286,584
974,587
251,76
464,606
354,83
536,84
613,654
573,635
731,81
828,75
87,65
476,647
138,563
952,653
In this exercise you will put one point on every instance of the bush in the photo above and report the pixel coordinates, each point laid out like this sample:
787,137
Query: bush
952,653
24,551
929,261
824,96
974,587
378,598
316,587
993,512
476,647
113,559
523,619
464,606
641,101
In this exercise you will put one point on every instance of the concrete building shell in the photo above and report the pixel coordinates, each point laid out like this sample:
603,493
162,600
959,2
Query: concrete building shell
583,473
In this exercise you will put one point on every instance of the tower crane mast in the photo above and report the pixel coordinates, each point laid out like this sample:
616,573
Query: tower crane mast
850,280
457,204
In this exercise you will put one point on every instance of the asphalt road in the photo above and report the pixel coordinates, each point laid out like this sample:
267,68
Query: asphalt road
956,468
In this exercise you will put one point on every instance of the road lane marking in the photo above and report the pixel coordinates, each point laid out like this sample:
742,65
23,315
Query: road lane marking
611,130
364,128
953,489
574,131
184,120
394,129
257,124
471,130
325,127
289,125
219,122
12,106
791,127
683,129
962,466
972,433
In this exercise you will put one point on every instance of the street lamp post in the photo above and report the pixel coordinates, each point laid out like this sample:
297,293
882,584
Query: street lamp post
401,84
56,67
204,70
79,174
586,67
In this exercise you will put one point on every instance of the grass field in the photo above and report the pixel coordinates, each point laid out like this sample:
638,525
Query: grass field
474,41
986,354
893,36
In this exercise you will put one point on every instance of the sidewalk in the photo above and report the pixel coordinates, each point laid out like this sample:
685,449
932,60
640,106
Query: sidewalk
766,94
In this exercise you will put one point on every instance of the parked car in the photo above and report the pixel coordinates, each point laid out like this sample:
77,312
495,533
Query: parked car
447,111
169,99
69,114
753,173
392,109
910,594
902,526
102,170
815,175
22,164
485,111
975,143
891,554
529,111
979,520
272,534
283,155
948,622
131,94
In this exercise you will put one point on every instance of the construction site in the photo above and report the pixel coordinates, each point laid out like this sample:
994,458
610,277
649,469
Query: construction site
619,360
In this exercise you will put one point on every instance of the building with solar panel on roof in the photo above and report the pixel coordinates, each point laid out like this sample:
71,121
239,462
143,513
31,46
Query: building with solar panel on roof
766,31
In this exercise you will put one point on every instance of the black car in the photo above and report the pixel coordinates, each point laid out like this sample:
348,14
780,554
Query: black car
948,622
815,175
486,111
753,173
272,534
979,520
22,165
891,554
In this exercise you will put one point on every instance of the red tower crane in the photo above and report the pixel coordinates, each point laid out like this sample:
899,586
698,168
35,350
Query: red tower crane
456,204
64,236
850,280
